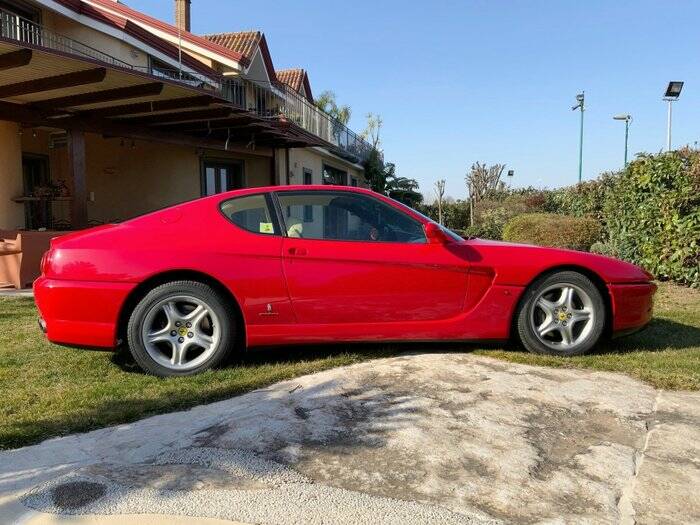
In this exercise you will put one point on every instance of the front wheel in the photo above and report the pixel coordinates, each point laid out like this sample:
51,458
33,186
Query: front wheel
561,314
181,328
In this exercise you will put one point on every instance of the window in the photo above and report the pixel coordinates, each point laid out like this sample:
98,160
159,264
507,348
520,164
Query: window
353,182
308,210
334,176
220,176
251,213
348,217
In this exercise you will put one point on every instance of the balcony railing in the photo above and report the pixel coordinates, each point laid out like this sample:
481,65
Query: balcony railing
265,100
280,101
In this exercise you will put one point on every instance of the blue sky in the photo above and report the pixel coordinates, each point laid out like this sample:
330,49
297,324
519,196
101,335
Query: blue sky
492,81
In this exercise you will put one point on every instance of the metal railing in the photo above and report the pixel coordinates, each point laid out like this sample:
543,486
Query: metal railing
280,101
264,99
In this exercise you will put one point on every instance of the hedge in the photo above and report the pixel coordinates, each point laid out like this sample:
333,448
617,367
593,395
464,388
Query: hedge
652,215
549,229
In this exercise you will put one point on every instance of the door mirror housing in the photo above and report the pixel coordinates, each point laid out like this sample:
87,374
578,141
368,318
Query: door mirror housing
435,234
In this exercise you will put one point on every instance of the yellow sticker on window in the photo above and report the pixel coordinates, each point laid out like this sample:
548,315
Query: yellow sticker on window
266,227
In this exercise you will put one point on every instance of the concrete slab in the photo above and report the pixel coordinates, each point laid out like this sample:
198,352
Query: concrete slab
439,438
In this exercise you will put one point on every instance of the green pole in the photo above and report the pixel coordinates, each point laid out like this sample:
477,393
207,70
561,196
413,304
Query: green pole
580,147
627,130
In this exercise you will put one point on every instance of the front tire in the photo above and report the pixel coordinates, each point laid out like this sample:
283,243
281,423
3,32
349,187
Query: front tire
561,314
181,328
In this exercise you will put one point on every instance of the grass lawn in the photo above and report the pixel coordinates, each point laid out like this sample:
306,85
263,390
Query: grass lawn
48,390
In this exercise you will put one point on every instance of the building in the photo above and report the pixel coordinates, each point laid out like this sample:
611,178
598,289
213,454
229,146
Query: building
107,113
128,114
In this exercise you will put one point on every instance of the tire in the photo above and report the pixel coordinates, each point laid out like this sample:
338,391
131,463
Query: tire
181,328
561,314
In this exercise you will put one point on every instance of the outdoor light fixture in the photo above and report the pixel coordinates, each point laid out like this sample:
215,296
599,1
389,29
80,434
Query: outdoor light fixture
673,91
580,100
627,119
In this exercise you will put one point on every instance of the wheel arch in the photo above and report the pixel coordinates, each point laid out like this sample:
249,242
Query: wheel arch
158,279
595,278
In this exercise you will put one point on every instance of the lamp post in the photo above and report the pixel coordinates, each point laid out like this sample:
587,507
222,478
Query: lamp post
673,91
628,120
580,99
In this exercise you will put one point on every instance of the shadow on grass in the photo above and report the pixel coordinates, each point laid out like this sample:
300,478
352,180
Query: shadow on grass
661,334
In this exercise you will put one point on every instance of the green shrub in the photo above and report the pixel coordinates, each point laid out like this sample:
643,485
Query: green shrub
652,214
604,248
549,229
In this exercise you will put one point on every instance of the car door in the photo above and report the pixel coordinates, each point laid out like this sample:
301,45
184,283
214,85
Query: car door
251,260
350,257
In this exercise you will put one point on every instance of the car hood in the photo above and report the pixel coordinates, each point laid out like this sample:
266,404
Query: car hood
519,263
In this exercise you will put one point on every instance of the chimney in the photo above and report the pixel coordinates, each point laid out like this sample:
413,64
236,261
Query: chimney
182,14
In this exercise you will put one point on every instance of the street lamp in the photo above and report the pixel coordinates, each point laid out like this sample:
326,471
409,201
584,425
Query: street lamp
628,120
673,91
580,98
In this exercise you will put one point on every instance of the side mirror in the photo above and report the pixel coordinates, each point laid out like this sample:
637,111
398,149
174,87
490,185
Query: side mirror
435,235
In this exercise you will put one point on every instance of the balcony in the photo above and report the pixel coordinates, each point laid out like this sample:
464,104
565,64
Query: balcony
274,102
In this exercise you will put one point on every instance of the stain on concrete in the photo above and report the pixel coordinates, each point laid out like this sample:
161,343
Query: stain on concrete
73,495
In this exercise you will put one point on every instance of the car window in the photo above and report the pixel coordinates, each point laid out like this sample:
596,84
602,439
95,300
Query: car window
251,213
346,216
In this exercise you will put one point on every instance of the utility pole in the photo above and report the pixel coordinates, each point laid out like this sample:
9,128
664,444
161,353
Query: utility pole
673,91
580,99
627,120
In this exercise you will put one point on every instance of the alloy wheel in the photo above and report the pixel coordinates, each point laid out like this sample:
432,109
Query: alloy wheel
562,316
180,332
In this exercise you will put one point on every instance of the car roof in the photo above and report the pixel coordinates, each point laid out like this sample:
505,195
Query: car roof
296,187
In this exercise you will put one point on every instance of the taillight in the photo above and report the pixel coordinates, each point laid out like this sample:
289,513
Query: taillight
46,263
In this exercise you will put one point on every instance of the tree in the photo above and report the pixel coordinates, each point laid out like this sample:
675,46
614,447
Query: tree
326,102
373,130
440,197
402,189
482,180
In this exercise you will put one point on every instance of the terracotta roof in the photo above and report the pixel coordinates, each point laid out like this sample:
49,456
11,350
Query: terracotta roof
246,43
295,79
243,42
129,13
139,33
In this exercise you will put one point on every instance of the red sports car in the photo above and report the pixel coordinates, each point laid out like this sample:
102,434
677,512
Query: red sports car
188,286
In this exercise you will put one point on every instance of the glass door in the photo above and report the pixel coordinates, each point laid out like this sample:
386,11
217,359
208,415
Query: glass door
218,176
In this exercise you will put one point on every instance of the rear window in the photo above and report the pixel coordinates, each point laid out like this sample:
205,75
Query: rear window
251,213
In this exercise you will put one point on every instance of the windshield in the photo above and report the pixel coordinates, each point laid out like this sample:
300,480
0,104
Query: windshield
449,232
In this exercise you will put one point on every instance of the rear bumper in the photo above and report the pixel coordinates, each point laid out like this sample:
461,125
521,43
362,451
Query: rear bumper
632,306
80,313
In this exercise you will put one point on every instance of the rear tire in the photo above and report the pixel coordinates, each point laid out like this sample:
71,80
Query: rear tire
181,328
561,314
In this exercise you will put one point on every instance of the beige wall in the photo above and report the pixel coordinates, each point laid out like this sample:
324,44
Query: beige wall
11,184
123,181
96,39
312,159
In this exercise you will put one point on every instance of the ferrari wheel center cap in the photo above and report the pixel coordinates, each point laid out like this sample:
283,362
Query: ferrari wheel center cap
182,331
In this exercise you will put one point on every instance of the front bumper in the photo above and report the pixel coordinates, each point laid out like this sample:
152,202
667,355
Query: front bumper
632,306
80,313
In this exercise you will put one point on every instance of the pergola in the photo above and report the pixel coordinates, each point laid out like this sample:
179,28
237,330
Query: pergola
44,87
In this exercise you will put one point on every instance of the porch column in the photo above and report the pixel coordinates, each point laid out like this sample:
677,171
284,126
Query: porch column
76,170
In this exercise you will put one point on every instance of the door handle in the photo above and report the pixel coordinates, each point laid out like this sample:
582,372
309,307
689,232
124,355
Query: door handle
297,251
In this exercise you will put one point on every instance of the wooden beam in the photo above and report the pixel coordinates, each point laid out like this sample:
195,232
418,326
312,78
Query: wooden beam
152,107
107,95
180,116
76,171
78,78
221,123
27,115
15,59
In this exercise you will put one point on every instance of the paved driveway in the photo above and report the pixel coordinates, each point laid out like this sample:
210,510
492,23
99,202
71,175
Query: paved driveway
436,438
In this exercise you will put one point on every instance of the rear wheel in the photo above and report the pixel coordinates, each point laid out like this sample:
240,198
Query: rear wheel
561,314
181,328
